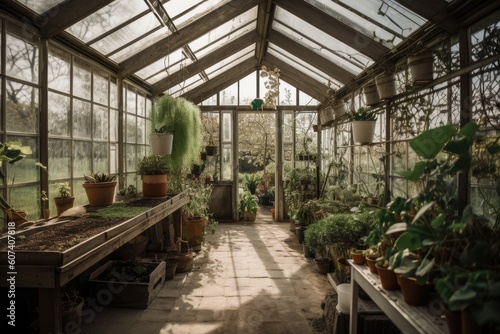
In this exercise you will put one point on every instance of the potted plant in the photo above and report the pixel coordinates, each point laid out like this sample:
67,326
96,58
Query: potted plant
45,205
161,138
315,239
247,206
63,200
153,171
12,152
100,188
126,193
181,118
363,125
196,213
371,94
266,193
250,181
420,65
386,85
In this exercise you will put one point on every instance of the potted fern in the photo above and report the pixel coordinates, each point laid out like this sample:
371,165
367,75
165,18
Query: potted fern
100,188
363,125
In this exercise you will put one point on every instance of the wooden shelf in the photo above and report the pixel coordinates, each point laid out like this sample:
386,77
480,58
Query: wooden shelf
409,319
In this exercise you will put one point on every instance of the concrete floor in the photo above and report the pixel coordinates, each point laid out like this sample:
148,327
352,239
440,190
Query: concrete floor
248,278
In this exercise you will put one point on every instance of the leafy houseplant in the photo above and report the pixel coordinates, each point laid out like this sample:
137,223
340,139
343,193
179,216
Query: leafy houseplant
153,170
126,193
315,239
250,181
247,206
12,152
100,188
363,125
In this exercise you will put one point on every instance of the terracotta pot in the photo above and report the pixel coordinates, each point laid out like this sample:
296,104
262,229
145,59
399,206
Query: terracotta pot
273,213
323,265
371,266
101,193
161,143
154,185
414,294
453,320
358,258
192,231
343,265
388,278
46,213
63,204
363,131
16,216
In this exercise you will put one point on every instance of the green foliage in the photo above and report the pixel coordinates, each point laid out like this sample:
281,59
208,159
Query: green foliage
11,152
199,193
181,118
63,189
152,165
247,203
130,190
363,115
344,231
315,238
99,177
250,181
120,210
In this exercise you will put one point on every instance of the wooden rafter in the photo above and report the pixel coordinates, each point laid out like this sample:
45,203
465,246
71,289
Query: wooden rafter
335,28
264,23
186,34
211,59
434,11
321,63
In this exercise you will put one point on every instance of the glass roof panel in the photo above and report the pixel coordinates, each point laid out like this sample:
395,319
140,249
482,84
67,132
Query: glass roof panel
238,57
224,29
141,43
126,34
223,40
107,18
301,31
158,70
303,67
40,7
183,12
383,20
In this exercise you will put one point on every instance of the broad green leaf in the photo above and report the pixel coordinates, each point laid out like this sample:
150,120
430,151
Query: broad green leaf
425,267
415,173
464,294
429,143
458,146
438,221
469,131
398,227
409,240
422,211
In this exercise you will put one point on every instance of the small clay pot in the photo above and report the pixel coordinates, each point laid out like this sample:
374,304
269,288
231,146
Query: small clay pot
371,266
358,258
388,278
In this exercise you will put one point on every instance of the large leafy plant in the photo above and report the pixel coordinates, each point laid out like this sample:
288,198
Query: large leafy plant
11,152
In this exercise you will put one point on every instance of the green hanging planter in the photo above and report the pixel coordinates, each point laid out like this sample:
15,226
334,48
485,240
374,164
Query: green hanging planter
256,104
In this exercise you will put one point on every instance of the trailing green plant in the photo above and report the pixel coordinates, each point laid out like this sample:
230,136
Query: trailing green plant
152,165
99,177
362,114
181,118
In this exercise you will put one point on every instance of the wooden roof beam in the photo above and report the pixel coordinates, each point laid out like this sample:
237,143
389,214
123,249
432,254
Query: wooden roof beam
335,28
264,24
206,61
68,13
223,80
335,71
434,11
186,34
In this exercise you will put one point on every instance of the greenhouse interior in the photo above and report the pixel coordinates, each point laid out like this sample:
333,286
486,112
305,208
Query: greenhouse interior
250,166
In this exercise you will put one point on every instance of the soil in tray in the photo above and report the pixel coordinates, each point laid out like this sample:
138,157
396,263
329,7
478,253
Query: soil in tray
128,272
66,235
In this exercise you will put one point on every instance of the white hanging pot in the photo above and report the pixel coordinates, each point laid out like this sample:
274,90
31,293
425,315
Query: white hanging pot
161,143
371,95
363,131
386,85
339,109
326,116
420,66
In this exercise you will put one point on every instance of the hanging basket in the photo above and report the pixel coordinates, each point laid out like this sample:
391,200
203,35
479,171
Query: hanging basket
161,143
371,95
420,66
363,131
386,86
339,109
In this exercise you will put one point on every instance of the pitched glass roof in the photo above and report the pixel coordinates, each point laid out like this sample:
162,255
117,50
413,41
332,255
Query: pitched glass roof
125,28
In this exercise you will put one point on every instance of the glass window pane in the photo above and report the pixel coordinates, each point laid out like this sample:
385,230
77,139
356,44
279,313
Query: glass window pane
113,93
141,43
288,94
59,70
113,125
26,198
82,125
81,79
40,7
211,101
59,110
101,88
248,90
22,108
183,12
113,158
24,170
141,131
100,120
59,159
22,57
227,127
229,96
101,161
141,105
227,164
82,158
131,129
131,158
131,96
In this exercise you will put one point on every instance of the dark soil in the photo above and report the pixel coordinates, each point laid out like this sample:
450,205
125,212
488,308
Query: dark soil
126,271
65,235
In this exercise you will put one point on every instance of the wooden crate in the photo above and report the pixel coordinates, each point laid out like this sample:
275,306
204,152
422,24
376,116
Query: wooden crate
126,294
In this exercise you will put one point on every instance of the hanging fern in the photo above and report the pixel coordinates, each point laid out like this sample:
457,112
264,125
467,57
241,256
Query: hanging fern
181,118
